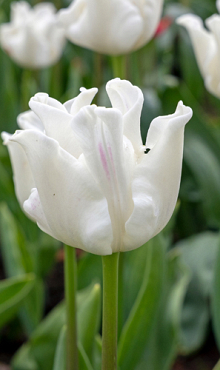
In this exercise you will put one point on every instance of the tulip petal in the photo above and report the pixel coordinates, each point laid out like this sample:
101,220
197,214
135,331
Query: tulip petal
218,5
74,207
33,208
110,160
129,100
151,11
29,120
112,27
157,178
56,119
22,175
32,38
206,51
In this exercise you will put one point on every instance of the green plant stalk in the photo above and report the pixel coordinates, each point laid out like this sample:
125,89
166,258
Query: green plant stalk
110,311
119,66
70,296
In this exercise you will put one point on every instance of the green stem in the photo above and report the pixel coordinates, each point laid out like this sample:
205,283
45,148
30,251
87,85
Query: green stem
70,295
120,293
110,311
119,66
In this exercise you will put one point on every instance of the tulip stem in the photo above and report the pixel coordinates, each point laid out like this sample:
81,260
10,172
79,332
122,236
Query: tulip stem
119,66
70,295
110,311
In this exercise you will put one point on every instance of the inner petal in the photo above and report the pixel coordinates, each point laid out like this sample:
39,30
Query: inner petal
109,157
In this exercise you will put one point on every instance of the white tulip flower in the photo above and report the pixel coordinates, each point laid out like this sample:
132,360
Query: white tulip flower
33,38
206,44
86,176
111,27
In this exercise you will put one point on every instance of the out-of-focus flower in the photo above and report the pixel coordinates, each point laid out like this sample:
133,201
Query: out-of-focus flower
88,179
206,44
33,38
111,27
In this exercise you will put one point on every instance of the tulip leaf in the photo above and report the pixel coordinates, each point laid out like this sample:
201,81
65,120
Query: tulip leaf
84,363
89,317
17,262
217,366
60,355
98,353
89,269
162,346
205,167
41,347
199,254
215,299
13,291
139,323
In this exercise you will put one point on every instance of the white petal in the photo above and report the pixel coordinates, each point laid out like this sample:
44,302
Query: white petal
218,5
151,11
29,120
33,207
112,27
203,42
32,38
84,98
56,117
110,159
22,175
74,207
213,24
56,121
129,100
206,51
157,178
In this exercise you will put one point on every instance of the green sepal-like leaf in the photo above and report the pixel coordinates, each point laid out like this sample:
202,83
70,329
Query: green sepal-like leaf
13,291
139,324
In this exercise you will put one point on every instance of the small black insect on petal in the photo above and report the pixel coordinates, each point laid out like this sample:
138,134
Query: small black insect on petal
146,150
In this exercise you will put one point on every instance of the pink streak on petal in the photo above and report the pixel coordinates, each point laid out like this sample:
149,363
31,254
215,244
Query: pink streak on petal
104,161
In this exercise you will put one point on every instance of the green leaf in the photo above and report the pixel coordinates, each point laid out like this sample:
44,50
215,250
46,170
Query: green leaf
13,291
215,299
139,324
217,366
60,356
89,269
98,353
199,254
206,168
84,363
17,262
41,347
89,317
162,346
